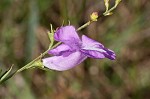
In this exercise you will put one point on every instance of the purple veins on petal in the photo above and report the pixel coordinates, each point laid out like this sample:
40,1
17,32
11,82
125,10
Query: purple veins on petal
95,49
93,54
109,54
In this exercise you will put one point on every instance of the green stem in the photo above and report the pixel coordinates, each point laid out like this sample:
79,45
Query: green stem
85,25
108,11
27,66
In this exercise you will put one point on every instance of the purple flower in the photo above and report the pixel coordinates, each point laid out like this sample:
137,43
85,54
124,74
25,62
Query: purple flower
74,50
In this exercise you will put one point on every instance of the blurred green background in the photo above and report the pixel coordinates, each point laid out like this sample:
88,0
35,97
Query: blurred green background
23,36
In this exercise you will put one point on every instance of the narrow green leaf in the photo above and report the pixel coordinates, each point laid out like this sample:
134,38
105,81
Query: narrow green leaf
5,74
6,78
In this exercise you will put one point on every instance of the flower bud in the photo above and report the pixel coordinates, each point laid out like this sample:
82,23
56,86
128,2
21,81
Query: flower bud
94,16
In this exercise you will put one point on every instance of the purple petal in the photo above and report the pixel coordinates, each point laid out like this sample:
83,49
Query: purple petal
94,49
99,53
66,34
62,49
62,63
109,54
93,54
87,42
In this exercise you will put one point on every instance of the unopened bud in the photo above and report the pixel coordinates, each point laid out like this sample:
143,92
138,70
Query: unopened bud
94,16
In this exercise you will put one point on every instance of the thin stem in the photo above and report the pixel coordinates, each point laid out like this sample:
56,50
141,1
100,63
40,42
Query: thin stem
56,45
108,11
26,66
84,25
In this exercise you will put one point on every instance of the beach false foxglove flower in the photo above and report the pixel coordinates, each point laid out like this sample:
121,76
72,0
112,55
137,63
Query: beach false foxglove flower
74,50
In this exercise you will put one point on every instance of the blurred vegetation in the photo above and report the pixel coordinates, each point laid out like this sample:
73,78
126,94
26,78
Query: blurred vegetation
23,36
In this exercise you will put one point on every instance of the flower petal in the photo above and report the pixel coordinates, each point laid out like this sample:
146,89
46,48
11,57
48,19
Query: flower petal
94,49
87,42
62,63
99,53
93,53
62,49
109,54
65,34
